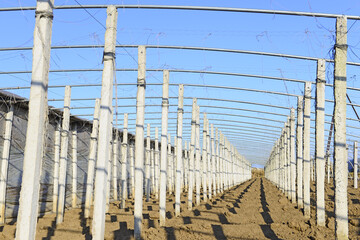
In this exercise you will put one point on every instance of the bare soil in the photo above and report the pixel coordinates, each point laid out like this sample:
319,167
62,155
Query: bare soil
255,209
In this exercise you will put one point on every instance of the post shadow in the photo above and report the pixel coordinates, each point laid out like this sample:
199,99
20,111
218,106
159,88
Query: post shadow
218,232
266,228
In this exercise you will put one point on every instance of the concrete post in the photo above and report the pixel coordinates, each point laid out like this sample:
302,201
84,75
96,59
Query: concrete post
213,158
147,165
224,163
231,165
288,156
108,170
173,165
192,155
355,165
197,156
225,160
306,152
299,152
293,156
282,161
204,159
169,169
221,163
92,159
179,154
163,153
217,170
328,164
152,171
74,168
35,133
114,165
124,150
340,157
157,163
227,154
279,150
185,167
209,164
132,170
63,155
105,120
56,167
5,161
278,161
139,141
311,169
319,143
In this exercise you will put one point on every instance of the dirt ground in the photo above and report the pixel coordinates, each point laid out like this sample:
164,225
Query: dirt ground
255,209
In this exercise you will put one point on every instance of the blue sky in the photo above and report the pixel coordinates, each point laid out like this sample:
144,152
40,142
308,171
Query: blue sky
306,36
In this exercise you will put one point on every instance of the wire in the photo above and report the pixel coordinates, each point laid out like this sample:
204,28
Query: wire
105,29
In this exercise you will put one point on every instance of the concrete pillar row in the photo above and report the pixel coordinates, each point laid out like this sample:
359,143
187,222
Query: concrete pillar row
9,117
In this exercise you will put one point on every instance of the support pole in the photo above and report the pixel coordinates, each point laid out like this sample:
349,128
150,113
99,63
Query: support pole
147,165
299,152
139,141
185,174
163,154
173,165
179,153
288,157
56,166
108,170
292,156
152,171
221,162
319,143
37,119
197,156
213,165
132,170
328,164
355,165
217,161
208,175
306,145
63,155
340,156
192,155
74,168
169,169
157,163
5,161
204,159
105,131
114,169
124,150
92,159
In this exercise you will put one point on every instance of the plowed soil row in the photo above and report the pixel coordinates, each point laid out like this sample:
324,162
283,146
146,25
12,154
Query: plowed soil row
255,209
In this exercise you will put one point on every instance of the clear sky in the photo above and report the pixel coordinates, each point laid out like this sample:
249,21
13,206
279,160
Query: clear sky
306,36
